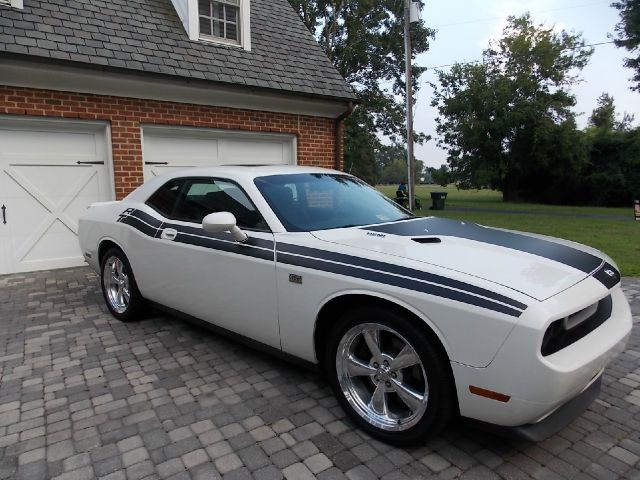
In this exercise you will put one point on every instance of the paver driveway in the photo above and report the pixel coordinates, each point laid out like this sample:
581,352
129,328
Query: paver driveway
84,396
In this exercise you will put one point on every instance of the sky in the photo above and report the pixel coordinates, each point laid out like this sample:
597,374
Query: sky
464,28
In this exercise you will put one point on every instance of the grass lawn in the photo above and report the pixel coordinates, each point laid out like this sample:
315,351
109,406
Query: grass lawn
619,239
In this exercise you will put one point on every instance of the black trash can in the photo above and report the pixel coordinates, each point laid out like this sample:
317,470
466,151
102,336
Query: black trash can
437,200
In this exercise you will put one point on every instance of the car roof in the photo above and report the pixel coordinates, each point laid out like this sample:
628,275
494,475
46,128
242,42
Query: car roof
241,173
250,170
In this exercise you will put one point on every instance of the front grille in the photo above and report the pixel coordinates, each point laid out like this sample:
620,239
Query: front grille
572,328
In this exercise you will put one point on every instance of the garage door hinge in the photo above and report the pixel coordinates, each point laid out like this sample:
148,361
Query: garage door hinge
90,163
4,214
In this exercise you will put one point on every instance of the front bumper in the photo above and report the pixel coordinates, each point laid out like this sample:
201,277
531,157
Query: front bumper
551,424
542,389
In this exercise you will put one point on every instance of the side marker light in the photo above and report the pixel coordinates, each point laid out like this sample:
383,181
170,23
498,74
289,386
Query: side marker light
500,397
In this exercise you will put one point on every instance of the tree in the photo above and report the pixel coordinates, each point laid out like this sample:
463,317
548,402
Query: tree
441,175
628,35
612,177
604,116
364,40
507,122
360,147
395,172
392,162
389,153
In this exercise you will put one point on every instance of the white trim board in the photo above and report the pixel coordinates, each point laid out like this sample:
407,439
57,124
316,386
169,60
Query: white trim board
22,73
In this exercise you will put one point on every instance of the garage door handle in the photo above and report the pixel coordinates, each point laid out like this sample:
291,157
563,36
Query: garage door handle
156,163
4,214
90,163
169,234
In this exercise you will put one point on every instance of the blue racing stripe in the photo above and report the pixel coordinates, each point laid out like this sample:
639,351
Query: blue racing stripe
405,271
354,267
386,279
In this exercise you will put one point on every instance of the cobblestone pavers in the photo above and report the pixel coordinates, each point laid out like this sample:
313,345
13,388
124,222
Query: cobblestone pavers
84,396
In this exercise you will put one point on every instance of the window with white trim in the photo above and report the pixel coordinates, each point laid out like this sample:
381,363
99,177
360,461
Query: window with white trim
220,20
13,3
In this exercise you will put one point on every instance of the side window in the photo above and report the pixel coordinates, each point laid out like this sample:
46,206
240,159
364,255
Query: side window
165,198
228,197
195,198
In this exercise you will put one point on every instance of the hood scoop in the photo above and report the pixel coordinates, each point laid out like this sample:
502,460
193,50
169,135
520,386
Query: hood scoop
426,240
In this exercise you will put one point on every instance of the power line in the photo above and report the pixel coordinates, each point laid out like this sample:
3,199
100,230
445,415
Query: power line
480,61
455,63
488,19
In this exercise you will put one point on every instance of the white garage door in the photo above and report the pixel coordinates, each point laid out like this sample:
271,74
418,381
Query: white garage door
170,148
50,171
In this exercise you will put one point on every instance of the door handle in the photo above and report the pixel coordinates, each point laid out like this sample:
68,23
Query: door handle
169,234
4,214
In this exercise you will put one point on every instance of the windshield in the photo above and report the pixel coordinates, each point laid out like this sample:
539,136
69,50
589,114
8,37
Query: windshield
319,201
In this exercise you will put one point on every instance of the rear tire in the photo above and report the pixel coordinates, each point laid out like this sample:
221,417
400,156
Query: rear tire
119,286
391,377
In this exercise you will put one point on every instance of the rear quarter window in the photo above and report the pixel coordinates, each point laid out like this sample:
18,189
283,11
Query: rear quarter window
165,198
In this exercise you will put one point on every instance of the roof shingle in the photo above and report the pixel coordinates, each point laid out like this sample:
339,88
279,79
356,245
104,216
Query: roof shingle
147,36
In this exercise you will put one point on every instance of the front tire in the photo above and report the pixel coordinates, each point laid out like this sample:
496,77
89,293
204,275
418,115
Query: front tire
119,286
390,376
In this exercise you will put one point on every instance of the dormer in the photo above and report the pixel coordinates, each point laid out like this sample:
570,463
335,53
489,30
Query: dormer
226,22
13,3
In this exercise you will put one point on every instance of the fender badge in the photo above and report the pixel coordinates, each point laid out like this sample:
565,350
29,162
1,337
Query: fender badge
374,234
293,278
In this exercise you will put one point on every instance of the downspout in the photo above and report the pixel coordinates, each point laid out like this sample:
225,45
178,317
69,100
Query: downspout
339,120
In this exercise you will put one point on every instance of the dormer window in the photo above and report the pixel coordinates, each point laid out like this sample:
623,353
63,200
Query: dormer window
220,20
215,21
12,3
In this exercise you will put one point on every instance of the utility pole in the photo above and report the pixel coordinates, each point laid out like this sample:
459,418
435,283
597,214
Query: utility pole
409,93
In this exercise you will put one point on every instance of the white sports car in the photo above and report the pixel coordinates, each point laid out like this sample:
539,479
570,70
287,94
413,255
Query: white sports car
413,320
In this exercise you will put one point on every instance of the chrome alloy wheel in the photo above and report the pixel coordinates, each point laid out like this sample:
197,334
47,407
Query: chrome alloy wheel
382,377
116,284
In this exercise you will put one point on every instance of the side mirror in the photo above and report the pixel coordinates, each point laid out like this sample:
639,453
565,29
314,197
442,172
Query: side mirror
223,222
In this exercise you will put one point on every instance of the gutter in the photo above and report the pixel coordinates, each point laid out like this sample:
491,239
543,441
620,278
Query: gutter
339,121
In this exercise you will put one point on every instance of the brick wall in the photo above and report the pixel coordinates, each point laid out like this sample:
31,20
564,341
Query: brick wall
315,135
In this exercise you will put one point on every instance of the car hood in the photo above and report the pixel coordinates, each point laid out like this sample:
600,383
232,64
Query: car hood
534,265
